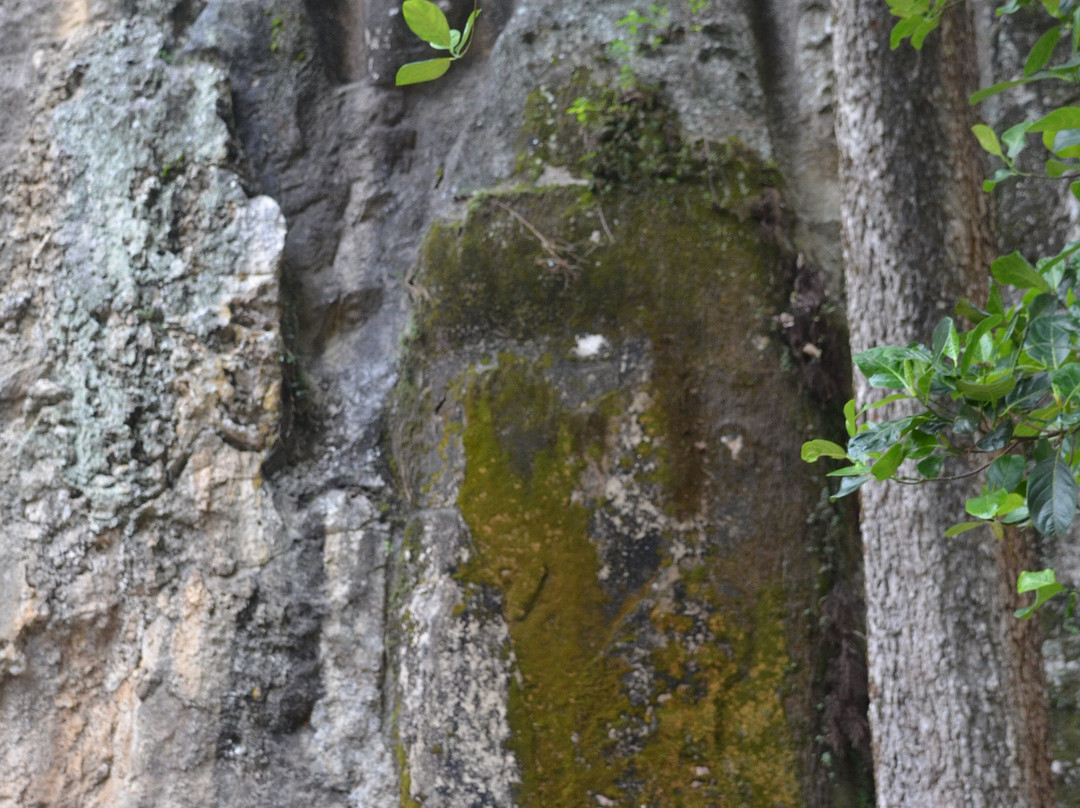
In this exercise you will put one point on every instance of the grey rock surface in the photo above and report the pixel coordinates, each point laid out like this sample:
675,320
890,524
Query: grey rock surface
215,587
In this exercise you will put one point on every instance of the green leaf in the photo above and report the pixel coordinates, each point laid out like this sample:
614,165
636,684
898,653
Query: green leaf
1031,581
466,35
976,350
1065,382
993,504
1043,583
889,399
988,139
850,471
416,72
1015,138
455,40
1000,175
902,30
997,438
923,31
1012,503
965,309
1042,50
884,365
1051,495
1006,472
986,506
878,438
1055,168
814,449
1000,87
427,21
1016,516
849,485
886,466
990,390
1067,143
946,341
1075,188
930,467
1014,270
1049,339
849,418
1054,122
963,527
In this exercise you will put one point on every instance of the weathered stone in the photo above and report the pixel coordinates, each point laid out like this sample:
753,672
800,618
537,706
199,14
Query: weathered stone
215,586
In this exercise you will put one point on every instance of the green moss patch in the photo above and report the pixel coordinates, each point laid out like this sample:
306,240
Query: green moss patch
675,692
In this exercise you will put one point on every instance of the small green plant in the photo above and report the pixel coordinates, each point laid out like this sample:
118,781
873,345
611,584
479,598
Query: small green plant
277,32
646,32
426,20
1003,394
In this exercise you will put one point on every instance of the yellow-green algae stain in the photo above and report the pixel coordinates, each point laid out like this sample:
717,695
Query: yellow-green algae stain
669,279
681,265
718,736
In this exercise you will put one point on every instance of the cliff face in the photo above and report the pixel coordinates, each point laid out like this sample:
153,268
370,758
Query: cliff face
373,447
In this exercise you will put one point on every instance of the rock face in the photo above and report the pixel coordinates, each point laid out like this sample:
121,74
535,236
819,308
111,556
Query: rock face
374,447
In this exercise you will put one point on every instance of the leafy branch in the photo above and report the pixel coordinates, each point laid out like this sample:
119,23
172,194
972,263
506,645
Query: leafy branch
1008,386
427,21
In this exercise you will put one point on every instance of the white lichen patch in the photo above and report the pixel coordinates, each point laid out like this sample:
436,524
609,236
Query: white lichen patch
590,346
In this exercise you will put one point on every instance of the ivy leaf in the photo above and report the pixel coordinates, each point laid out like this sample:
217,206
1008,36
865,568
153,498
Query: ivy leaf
426,20
814,449
1051,495
416,72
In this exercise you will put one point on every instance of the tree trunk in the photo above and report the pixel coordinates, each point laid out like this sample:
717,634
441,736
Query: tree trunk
955,716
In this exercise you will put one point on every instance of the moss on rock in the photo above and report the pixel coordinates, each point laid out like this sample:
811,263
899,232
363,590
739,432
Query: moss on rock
634,507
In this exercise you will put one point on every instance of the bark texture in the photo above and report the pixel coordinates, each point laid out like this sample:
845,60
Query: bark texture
957,708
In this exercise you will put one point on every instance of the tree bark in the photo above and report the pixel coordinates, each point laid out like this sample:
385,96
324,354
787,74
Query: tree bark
955,716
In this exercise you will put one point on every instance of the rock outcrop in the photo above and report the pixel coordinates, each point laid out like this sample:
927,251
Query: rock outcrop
433,446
